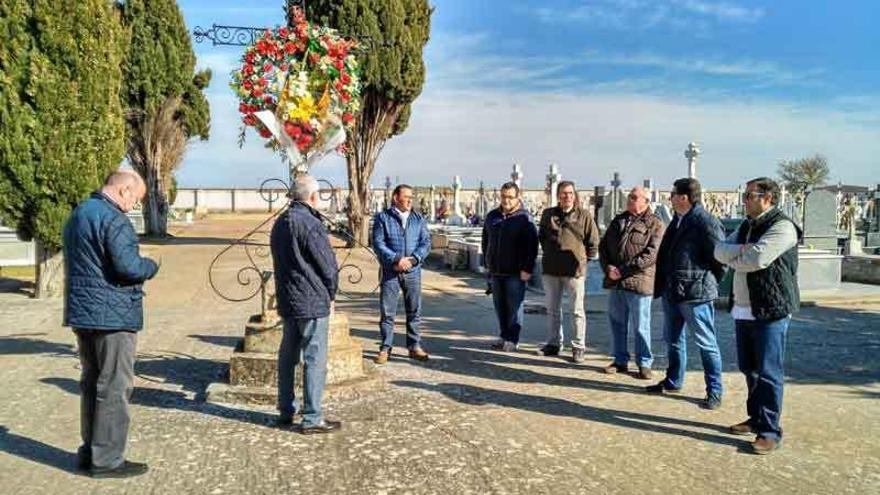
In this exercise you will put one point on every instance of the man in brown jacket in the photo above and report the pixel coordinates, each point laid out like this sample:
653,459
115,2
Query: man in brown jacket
568,237
628,254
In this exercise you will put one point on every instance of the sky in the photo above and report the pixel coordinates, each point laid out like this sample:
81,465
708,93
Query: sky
598,87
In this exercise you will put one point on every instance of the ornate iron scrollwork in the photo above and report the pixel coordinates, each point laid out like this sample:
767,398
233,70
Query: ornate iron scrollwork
224,35
254,278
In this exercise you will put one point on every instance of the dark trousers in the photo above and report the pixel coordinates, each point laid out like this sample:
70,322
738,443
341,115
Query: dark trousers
389,292
107,359
760,351
508,295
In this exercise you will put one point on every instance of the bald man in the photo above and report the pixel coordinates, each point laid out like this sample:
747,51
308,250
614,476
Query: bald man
104,306
628,255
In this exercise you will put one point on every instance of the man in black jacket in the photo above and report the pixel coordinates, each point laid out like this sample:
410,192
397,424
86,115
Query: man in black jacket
763,253
510,246
687,280
306,280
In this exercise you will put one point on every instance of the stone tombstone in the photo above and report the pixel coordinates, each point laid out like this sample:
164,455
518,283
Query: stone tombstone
599,205
387,192
432,217
517,175
457,217
553,178
691,153
820,220
616,195
872,236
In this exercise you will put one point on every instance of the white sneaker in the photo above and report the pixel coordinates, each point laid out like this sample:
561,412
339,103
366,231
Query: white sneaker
509,347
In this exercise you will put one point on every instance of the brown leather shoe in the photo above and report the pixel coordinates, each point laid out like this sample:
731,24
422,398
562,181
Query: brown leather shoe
764,446
418,354
644,373
382,357
615,368
743,429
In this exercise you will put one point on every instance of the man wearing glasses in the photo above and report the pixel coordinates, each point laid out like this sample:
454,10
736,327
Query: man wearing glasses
687,280
628,254
510,246
763,253
568,237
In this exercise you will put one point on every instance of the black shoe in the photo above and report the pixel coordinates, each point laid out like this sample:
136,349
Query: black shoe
550,350
284,421
711,402
83,463
325,427
125,470
660,388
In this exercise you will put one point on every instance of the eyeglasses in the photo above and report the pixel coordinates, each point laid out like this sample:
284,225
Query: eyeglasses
751,194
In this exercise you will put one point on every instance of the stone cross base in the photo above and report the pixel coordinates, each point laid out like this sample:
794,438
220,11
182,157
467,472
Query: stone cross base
253,367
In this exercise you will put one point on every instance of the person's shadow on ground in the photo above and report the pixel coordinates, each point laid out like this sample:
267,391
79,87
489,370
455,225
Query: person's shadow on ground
478,396
36,451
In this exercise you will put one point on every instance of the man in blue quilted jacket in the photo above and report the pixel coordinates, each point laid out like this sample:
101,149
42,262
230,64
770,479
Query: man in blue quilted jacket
402,242
104,306
306,280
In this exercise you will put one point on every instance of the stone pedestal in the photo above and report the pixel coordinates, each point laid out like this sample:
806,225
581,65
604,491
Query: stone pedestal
253,367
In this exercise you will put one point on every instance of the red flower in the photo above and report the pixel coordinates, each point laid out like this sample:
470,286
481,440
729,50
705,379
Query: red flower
345,78
249,58
347,118
345,97
262,82
290,48
265,133
307,126
339,64
242,108
304,141
314,58
267,67
283,68
249,119
258,92
247,85
283,32
339,86
292,130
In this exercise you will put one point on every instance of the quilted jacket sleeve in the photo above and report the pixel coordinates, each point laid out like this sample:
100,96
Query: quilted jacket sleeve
121,244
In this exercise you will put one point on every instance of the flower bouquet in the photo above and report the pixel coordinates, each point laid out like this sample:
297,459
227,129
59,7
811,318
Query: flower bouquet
299,89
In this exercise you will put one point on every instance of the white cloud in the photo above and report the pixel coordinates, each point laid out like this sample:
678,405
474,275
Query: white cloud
684,15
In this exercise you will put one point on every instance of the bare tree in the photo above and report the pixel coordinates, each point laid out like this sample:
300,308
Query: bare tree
155,149
798,175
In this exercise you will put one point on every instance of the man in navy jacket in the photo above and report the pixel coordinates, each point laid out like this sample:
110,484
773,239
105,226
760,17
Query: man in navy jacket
687,279
306,279
510,246
104,305
402,242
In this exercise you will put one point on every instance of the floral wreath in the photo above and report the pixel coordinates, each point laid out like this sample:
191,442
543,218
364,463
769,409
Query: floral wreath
299,88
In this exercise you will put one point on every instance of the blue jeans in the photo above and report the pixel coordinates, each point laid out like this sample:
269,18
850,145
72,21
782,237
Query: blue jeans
508,295
629,310
303,340
389,292
700,318
760,350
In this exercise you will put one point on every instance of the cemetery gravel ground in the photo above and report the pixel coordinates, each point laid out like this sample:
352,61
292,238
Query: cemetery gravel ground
469,421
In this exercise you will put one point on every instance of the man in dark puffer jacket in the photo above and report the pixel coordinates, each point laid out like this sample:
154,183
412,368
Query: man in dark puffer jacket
763,251
510,246
104,305
687,280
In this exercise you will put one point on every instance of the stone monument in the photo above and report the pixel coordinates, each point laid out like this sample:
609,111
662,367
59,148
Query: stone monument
691,153
517,175
553,179
457,217
820,220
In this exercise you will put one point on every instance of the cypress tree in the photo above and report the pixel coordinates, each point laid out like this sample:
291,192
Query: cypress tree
61,124
393,75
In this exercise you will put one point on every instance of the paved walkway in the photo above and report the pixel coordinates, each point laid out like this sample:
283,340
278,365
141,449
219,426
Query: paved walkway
469,421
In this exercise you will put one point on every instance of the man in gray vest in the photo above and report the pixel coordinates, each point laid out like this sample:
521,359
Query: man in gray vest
763,253
104,304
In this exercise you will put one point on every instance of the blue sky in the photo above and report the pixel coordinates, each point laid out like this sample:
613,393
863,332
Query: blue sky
600,86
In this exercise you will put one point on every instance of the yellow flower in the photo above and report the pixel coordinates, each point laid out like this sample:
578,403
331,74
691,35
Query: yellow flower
303,109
